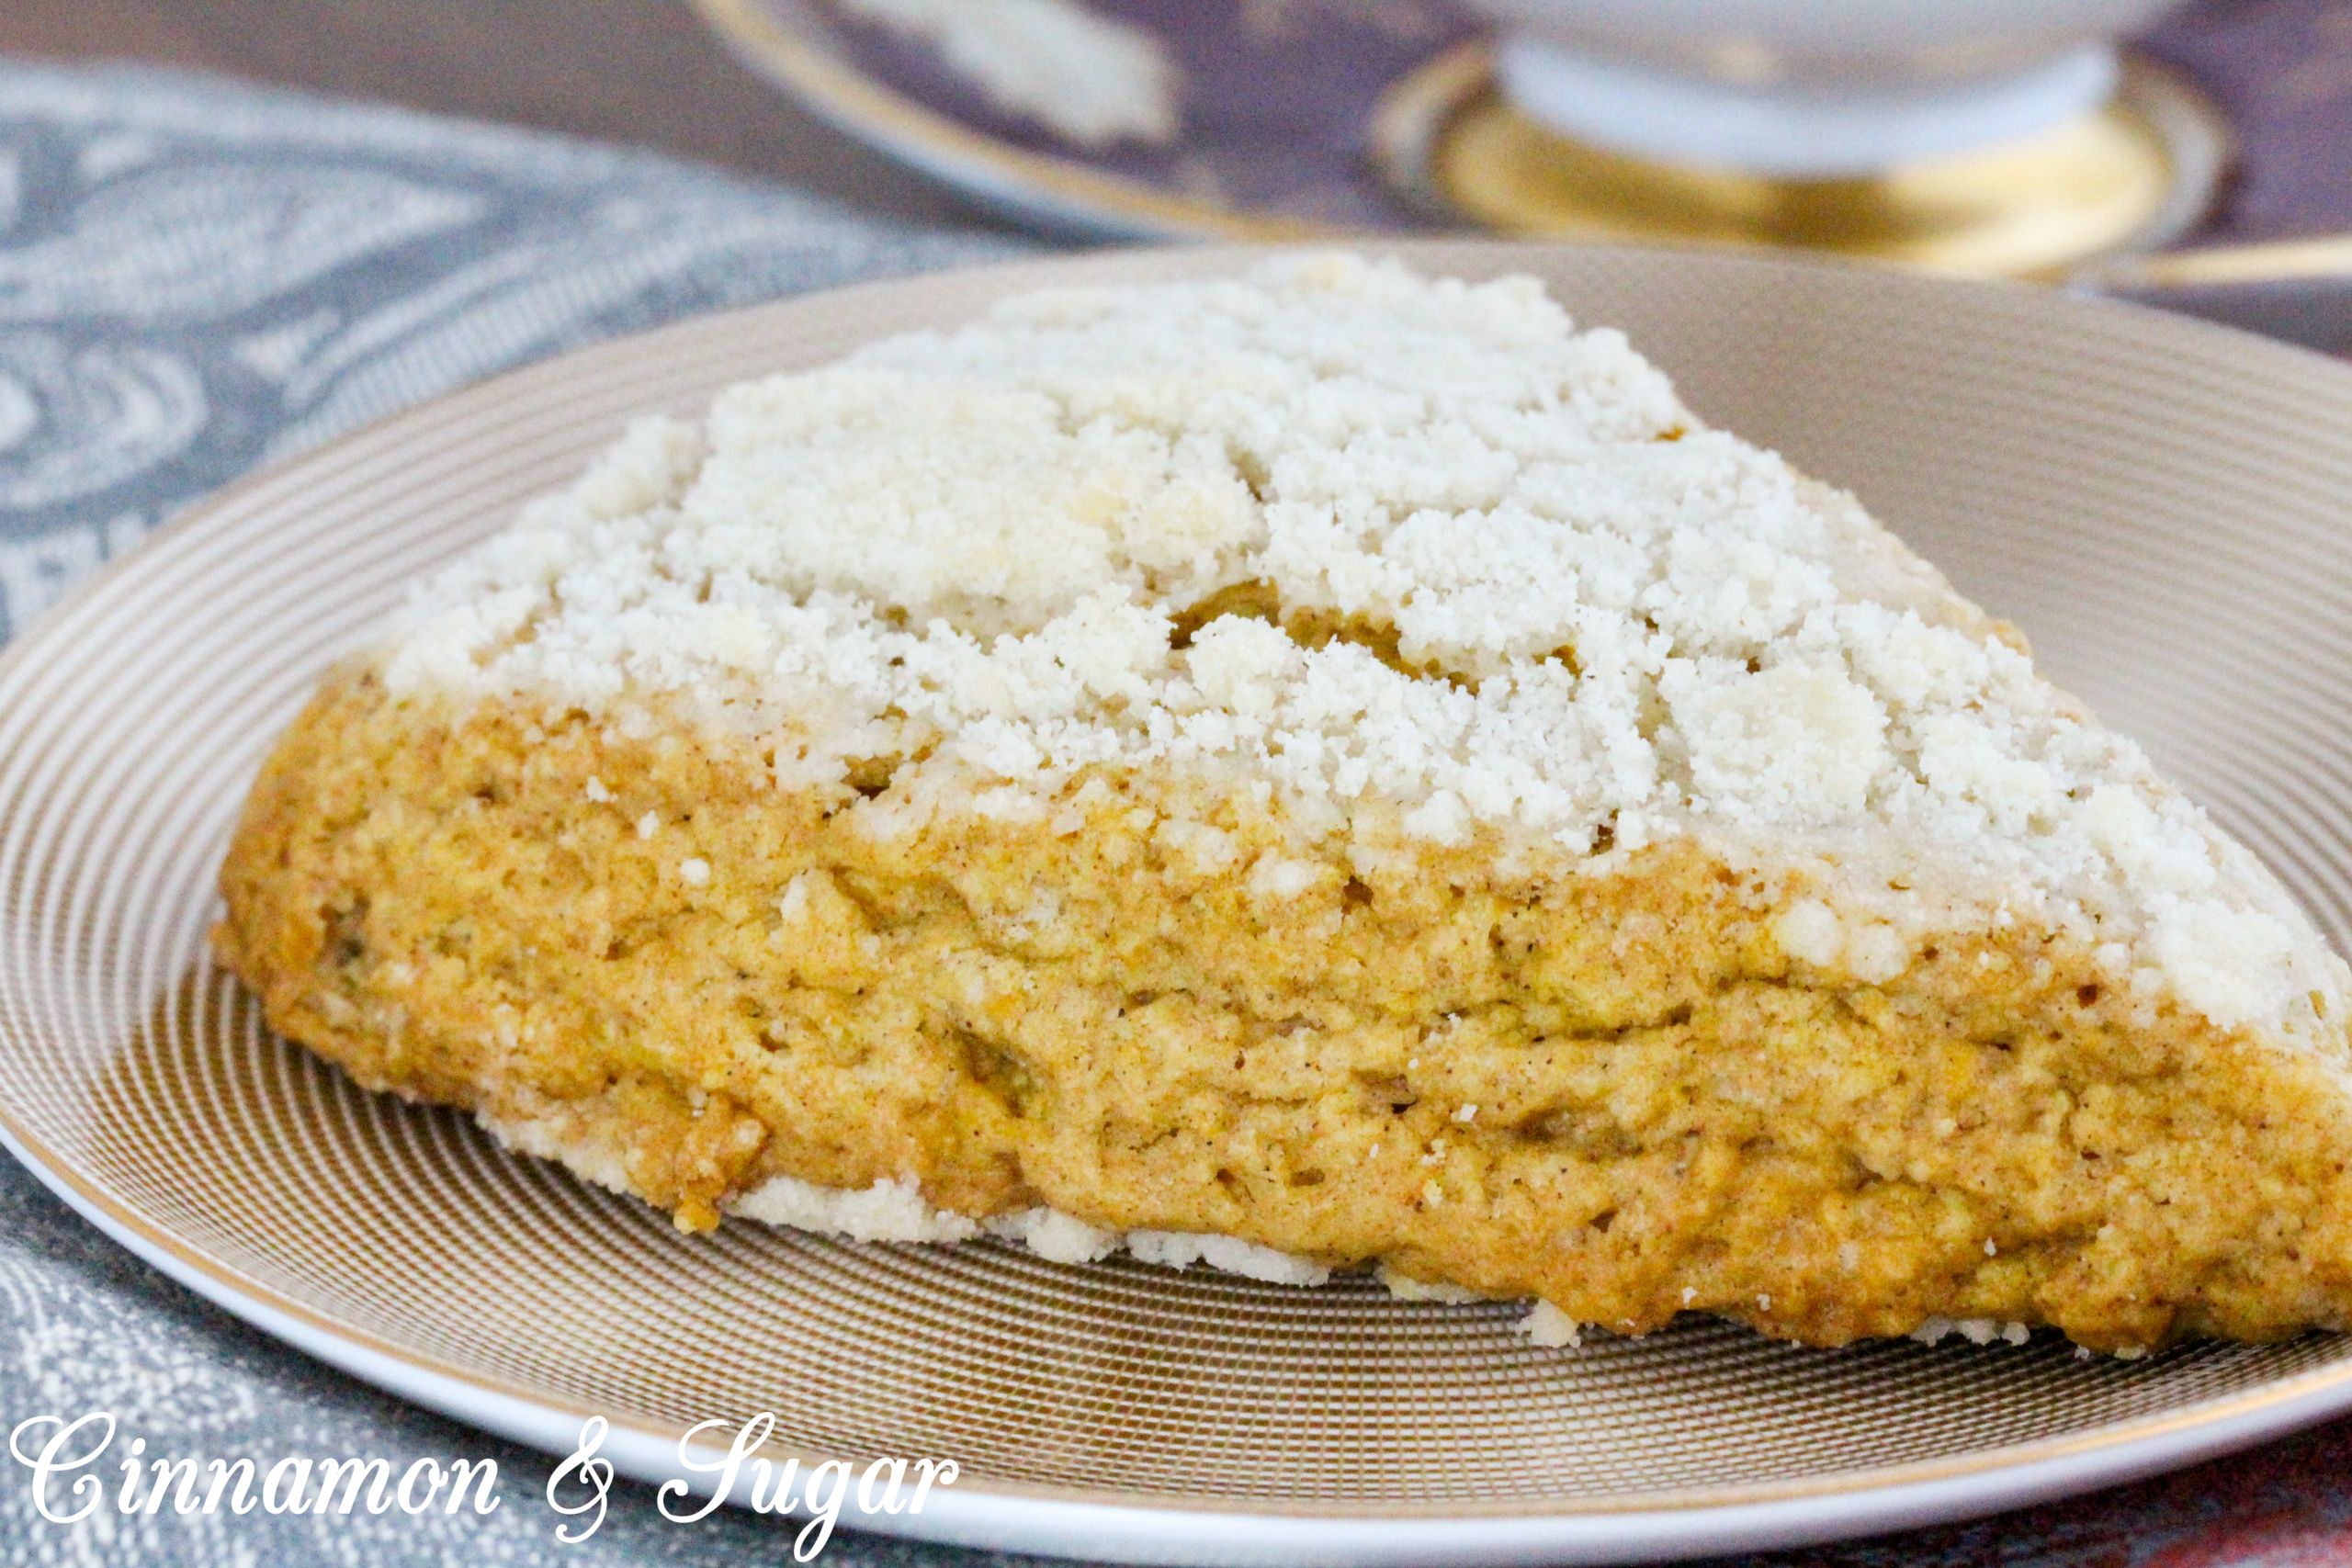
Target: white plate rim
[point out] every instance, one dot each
(1012, 1516)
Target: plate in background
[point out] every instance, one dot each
(2159, 502)
(1278, 103)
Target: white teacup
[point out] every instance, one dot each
(1810, 88)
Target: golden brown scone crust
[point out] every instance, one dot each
(1613, 1092)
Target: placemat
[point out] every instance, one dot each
(196, 277)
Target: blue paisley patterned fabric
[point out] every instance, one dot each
(198, 278)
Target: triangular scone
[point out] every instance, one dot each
(1328, 768)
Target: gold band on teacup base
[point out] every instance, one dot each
(2132, 176)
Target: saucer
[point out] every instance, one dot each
(1304, 118)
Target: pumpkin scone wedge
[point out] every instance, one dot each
(1331, 769)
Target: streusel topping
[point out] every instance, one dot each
(1403, 550)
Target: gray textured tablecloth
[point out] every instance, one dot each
(196, 277)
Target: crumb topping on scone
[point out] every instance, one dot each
(1393, 552)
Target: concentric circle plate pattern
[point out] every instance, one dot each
(2162, 505)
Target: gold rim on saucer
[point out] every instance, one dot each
(2131, 176)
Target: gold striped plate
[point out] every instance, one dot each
(2160, 503)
